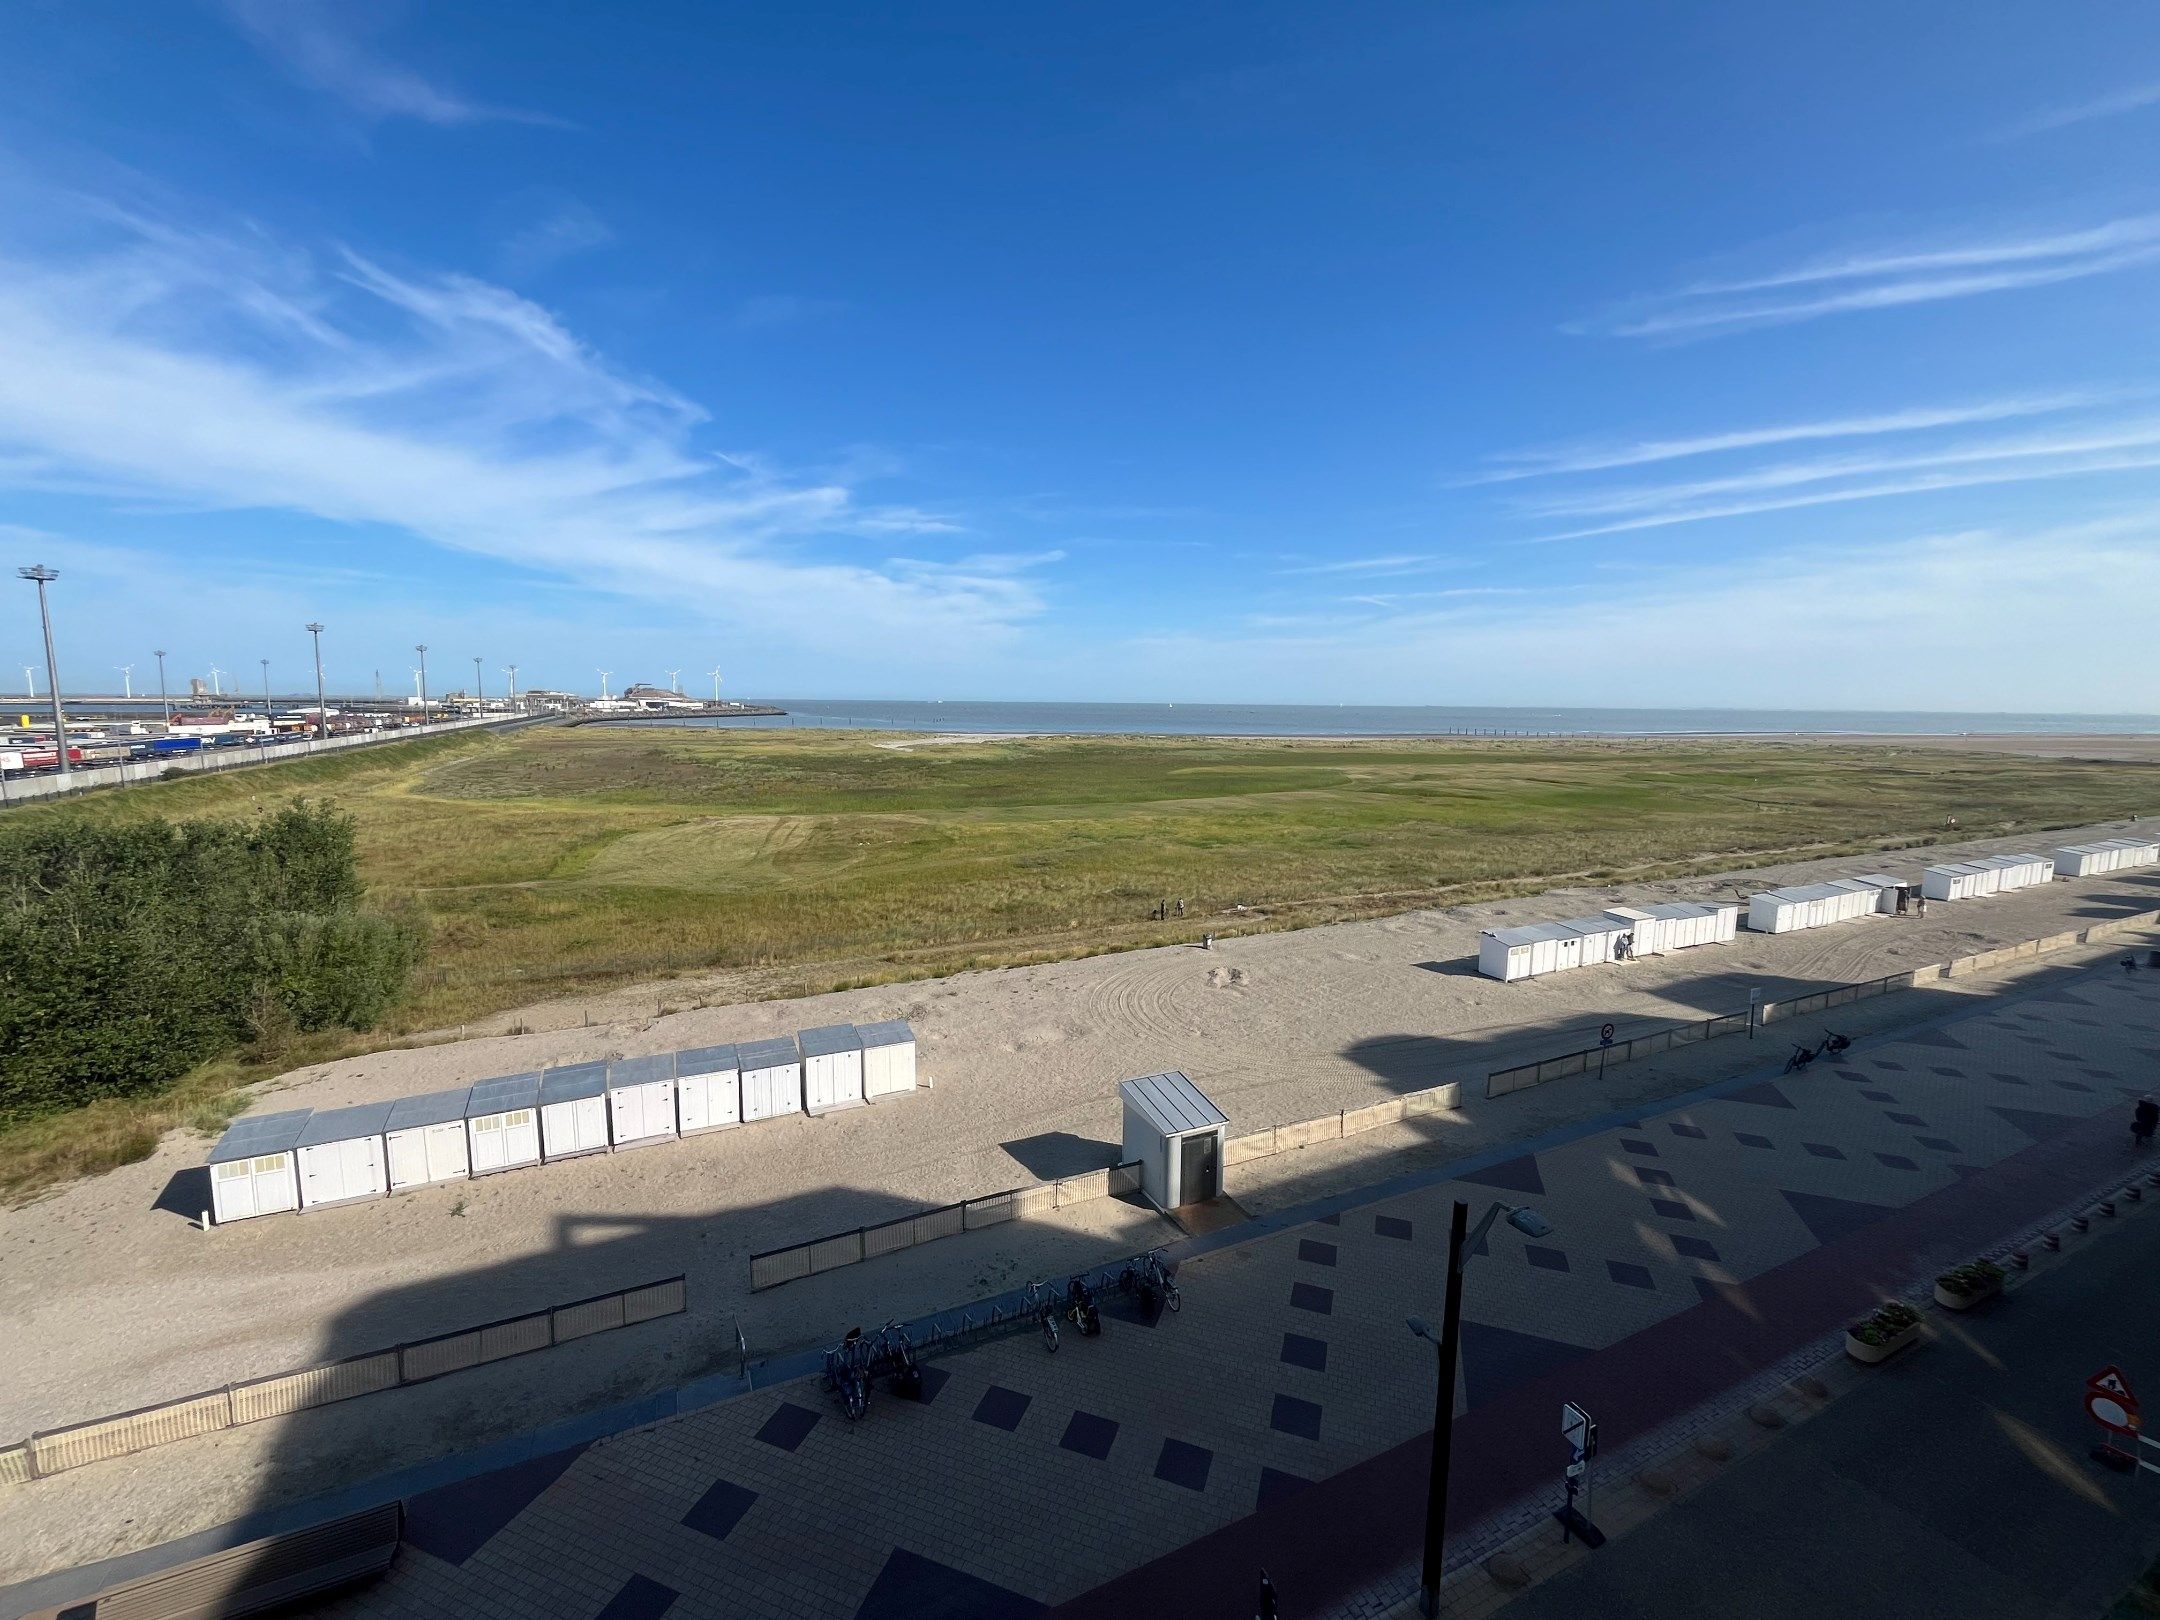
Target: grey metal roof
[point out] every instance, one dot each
(773, 1054)
(641, 1071)
(1591, 925)
(707, 1060)
(570, 1082)
(500, 1096)
(888, 1032)
(344, 1124)
(435, 1108)
(260, 1133)
(828, 1039)
(1953, 866)
(1171, 1103)
(1877, 880)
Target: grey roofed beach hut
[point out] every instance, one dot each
(1177, 1136)
(641, 1099)
(341, 1155)
(503, 1119)
(251, 1167)
(708, 1089)
(831, 1068)
(425, 1139)
(771, 1078)
(573, 1110)
(888, 1059)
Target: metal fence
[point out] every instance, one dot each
(1523, 1076)
(54, 1451)
(837, 1249)
(1345, 1122)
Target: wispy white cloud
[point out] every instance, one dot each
(565, 230)
(1379, 567)
(2114, 105)
(1887, 278)
(320, 43)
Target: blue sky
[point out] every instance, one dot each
(1479, 353)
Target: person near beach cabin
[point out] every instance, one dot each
(2143, 1120)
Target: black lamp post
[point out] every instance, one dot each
(1462, 1243)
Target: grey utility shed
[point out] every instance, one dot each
(573, 1110)
(641, 1099)
(341, 1155)
(888, 1058)
(831, 1067)
(708, 1089)
(1177, 1136)
(503, 1119)
(425, 1139)
(771, 1078)
(251, 1167)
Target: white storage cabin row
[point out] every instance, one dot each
(270, 1163)
(2110, 855)
(1817, 905)
(1624, 931)
(1984, 875)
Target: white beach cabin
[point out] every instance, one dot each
(832, 1068)
(708, 1089)
(425, 1139)
(1958, 880)
(771, 1078)
(641, 1099)
(1177, 1136)
(573, 1111)
(502, 1117)
(341, 1155)
(251, 1167)
(888, 1059)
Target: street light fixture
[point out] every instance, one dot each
(1462, 1243)
(269, 718)
(43, 577)
(479, 688)
(322, 712)
(421, 675)
(164, 702)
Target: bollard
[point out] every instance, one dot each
(2052, 1241)
(2081, 1223)
(2020, 1260)
(2107, 1208)
(2134, 1193)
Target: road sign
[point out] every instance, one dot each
(1578, 1429)
(2110, 1413)
(2110, 1381)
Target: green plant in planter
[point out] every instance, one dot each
(1975, 1277)
(1886, 1324)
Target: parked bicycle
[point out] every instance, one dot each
(1149, 1278)
(1834, 1043)
(1043, 1304)
(847, 1373)
(895, 1357)
(1080, 1308)
(1801, 1057)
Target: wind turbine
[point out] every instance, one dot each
(415, 674)
(715, 674)
(29, 675)
(127, 679)
(604, 674)
(674, 680)
(511, 671)
(215, 689)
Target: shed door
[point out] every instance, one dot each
(592, 1122)
(273, 1183)
(487, 1143)
(408, 1158)
(628, 1108)
(446, 1159)
(692, 1101)
(1199, 1168)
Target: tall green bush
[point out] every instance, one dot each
(131, 953)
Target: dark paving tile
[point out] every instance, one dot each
(720, 1509)
(1515, 1175)
(1765, 1095)
(1496, 1360)
(1629, 1274)
(1693, 1132)
(1646, 1150)
(1546, 1259)
(1672, 1211)
(1293, 1416)
(1183, 1464)
(452, 1522)
(1832, 1218)
(1897, 1161)
(1312, 1297)
(912, 1587)
(1939, 1144)
(1300, 1351)
(1749, 1139)
(1002, 1408)
(1391, 1226)
(934, 1380)
(639, 1599)
(1316, 1252)
(1885, 1063)
(2067, 1085)
(1655, 1178)
(1329, 1220)
(1694, 1248)
(1933, 1037)
(1089, 1435)
(2038, 1126)
(1823, 1150)
(789, 1426)
(1905, 1119)
(1277, 1486)
(1947, 1074)
(1878, 1096)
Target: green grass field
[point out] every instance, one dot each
(563, 858)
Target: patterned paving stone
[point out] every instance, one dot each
(1905, 1119)
(1748, 1139)
(1645, 1150)
(1002, 1408)
(1885, 1063)
(1938, 1143)
(2038, 1126)
(1277, 1486)
(1184, 1464)
(1391, 1226)
(719, 1510)
(1301, 1351)
(1629, 1274)
(1897, 1161)
(1089, 1435)
(640, 1598)
(1694, 1132)
(912, 1587)
(1295, 1417)
(1823, 1150)
(1694, 1248)
(934, 1380)
(1878, 1096)
(1655, 1178)
(455, 1521)
(1546, 1259)
(1831, 1218)
(1949, 1074)
(1315, 1252)
(1670, 1210)
(1329, 1220)
(1312, 1297)
(2067, 1085)
(1514, 1175)
(1496, 1359)
(1765, 1095)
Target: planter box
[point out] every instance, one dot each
(1964, 1302)
(1870, 1355)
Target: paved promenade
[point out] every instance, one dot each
(1281, 1418)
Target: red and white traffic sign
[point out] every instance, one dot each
(2109, 1401)
(2110, 1381)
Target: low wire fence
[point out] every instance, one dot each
(1525, 1075)
(54, 1451)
